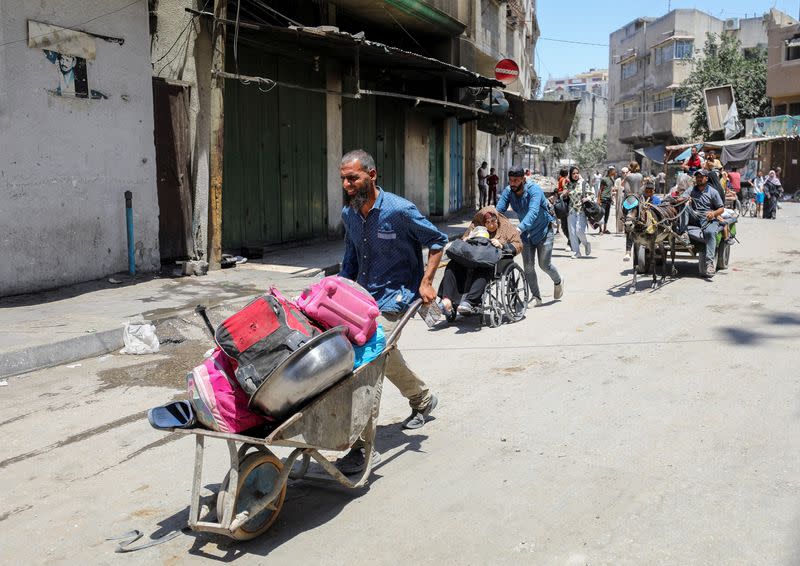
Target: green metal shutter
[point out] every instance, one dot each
(275, 151)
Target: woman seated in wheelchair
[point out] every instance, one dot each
(463, 284)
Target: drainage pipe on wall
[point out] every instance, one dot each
(129, 221)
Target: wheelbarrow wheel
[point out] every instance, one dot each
(258, 473)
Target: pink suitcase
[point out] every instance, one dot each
(336, 301)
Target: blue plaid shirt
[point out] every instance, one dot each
(383, 252)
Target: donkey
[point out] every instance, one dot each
(648, 226)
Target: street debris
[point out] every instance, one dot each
(73, 366)
(103, 358)
(114, 281)
(140, 339)
(3, 383)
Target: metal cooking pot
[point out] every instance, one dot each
(308, 371)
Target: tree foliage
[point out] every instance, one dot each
(589, 155)
(724, 62)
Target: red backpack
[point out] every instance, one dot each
(261, 336)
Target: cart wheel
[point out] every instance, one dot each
(643, 259)
(258, 473)
(723, 255)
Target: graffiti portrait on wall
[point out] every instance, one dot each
(70, 73)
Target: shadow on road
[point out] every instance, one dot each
(307, 506)
(745, 337)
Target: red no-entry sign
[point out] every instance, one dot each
(506, 71)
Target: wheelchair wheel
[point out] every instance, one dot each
(516, 293)
(492, 305)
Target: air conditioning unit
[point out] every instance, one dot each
(731, 24)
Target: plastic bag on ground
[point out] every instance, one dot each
(140, 339)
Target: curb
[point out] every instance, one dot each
(57, 353)
(108, 341)
(105, 341)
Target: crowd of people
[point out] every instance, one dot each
(385, 235)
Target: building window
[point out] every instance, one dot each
(668, 101)
(662, 102)
(794, 109)
(583, 139)
(679, 49)
(793, 49)
(684, 49)
(629, 69)
(628, 111)
(779, 110)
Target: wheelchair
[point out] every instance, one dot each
(506, 296)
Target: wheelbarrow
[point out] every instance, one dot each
(252, 493)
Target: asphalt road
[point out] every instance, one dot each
(607, 428)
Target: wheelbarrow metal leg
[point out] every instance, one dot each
(197, 481)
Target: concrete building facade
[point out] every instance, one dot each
(783, 89)
(648, 60)
(77, 128)
(783, 74)
(591, 88)
(593, 81)
(501, 30)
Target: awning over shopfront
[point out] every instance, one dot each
(654, 153)
(730, 151)
(422, 80)
(537, 117)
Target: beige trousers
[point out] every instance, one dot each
(398, 372)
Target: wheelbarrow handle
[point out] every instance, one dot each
(201, 310)
(395, 335)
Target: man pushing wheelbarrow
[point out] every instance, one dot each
(384, 237)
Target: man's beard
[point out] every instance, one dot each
(357, 200)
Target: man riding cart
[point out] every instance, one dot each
(703, 227)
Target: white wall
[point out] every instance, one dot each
(333, 115)
(66, 162)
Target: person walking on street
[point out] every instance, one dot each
(482, 186)
(492, 181)
(384, 237)
(632, 184)
(536, 228)
(735, 183)
(559, 194)
(758, 186)
(661, 181)
(772, 192)
(619, 196)
(605, 196)
(579, 191)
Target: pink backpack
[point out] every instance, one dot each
(336, 301)
(218, 400)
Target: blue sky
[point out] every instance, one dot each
(592, 21)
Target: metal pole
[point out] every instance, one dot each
(217, 122)
(129, 222)
(591, 132)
